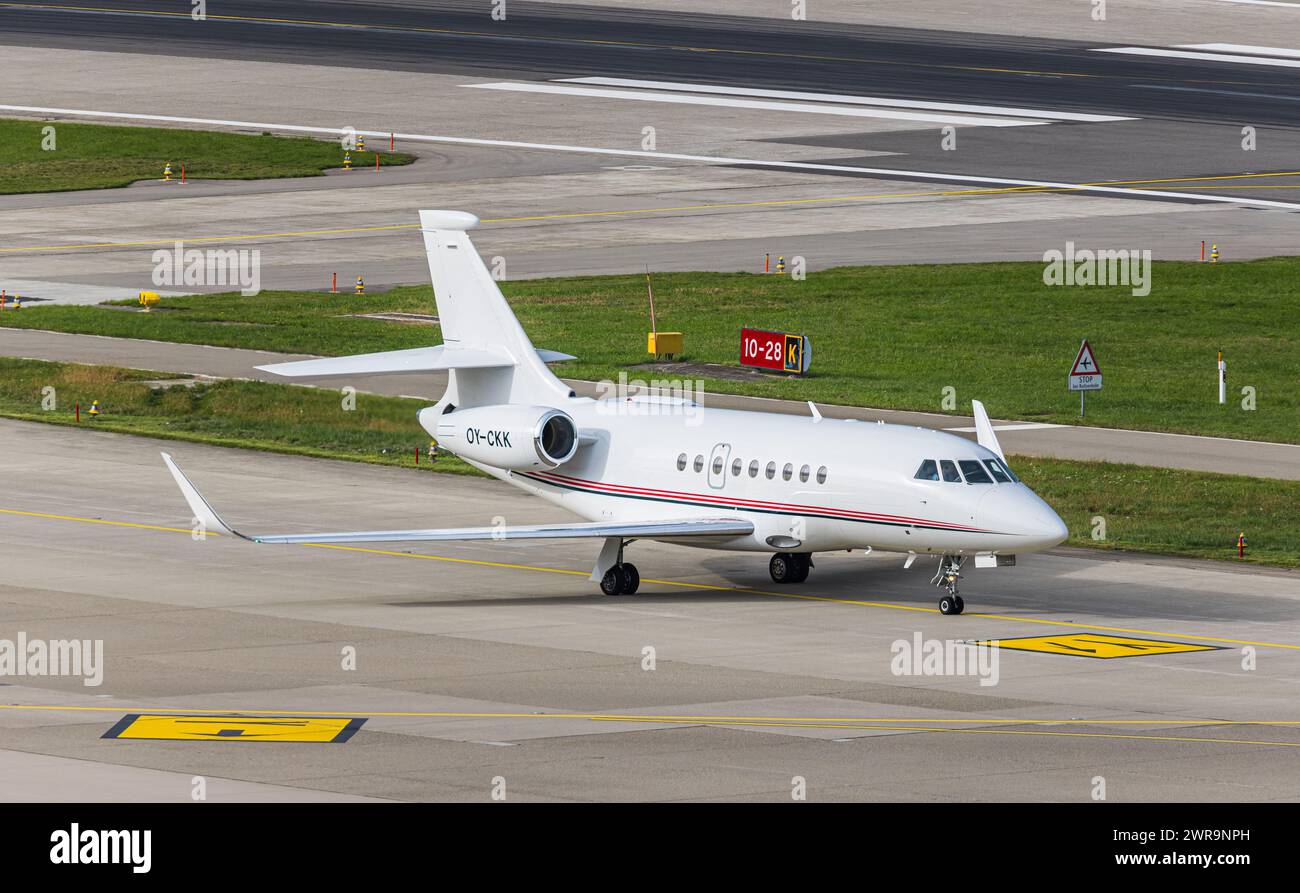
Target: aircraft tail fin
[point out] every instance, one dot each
(474, 315)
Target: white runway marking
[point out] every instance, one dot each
(1216, 92)
(1295, 6)
(1203, 57)
(676, 156)
(851, 100)
(761, 105)
(1242, 48)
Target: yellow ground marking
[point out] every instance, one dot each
(710, 206)
(681, 584)
(1107, 735)
(209, 726)
(206, 727)
(574, 215)
(415, 29)
(1095, 645)
(51, 517)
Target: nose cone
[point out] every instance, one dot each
(1029, 523)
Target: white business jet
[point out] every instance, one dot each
(666, 469)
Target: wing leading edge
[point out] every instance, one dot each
(686, 527)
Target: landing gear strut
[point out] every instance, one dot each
(947, 576)
(622, 578)
(790, 567)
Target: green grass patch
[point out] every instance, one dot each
(1169, 510)
(1145, 509)
(891, 337)
(255, 415)
(98, 156)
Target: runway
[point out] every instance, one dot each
(486, 665)
(857, 170)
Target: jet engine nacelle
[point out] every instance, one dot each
(511, 436)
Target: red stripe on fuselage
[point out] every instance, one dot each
(624, 489)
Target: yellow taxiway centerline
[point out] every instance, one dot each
(680, 584)
(711, 206)
(848, 724)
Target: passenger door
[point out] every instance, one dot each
(717, 467)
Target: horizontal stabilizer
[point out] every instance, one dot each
(685, 527)
(418, 359)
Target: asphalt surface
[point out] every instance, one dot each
(553, 40)
(1215, 454)
(1191, 111)
(478, 662)
(466, 656)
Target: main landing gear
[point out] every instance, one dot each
(947, 576)
(790, 567)
(622, 578)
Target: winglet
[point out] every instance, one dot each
(984, 430)
(198, 505)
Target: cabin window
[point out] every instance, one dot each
(949, 468)
(753, 468)
(1005, 469)
(787, 472)
(770, 471)
(974, 472)
(929, 471)
(681, 462)
(736, 465)
(996, 470)
(699, 463)
(821, 475)
(717, 465)
(804, 473)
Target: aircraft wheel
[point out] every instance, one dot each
(631, 579)
(950, 604)
(613, 581)
(961, 603)
(782, 567)
(802, 564)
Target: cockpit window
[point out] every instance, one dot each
(995, 469)
(974, 471)
(950, 471)
(1005, 469)
(928, 471)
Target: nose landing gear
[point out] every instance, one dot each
(790, 567)
(946, 577)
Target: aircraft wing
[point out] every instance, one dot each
(715, 527)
